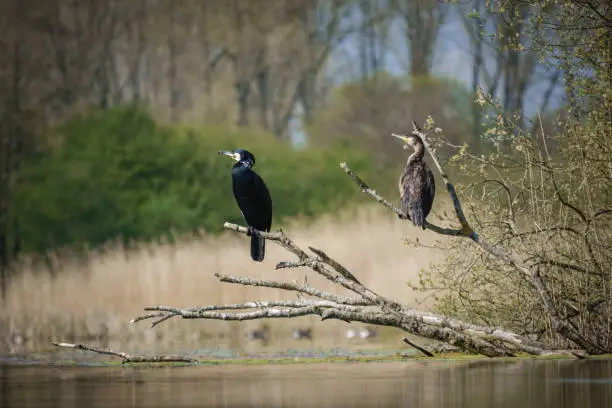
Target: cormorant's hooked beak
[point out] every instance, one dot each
(400, 137)
(408, 143)
(233, 155)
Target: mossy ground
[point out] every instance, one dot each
(73, 359)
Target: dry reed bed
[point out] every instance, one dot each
(95, 299)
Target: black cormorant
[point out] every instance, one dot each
(253, 198)
(416, 184)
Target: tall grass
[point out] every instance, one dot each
(94, 299)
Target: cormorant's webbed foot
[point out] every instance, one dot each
(402, 216)
(252, 232)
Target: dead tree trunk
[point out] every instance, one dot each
(172, 69)
(11, 150)
(362, 304)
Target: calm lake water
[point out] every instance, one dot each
(518, 384)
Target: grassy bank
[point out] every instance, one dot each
(72, 358)
(93, 299)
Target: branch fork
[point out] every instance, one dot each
(359, 304)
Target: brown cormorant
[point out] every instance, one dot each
(416, 183)
(253, 198)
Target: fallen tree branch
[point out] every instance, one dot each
(125, 357)
(367, 307)
(292, 286)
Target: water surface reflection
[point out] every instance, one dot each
(560, 384)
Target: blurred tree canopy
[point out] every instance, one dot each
(221, 63)
(365, 113)
(118, 173)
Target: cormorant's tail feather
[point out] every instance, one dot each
(417, 216)
(258, 248)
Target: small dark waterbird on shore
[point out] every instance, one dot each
(253, 198)
(262, 334)
(299, 334)
(416, 183)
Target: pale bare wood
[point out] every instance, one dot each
(125, 357)
(367, 307)
(416, 346)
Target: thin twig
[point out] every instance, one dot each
(372, 193)
(125, 357)
(286, 264)
(295, 287)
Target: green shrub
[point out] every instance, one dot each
(120, 174)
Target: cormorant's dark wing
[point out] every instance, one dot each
(417, 190)
(428, 191)
(255, 203)
(264, 219)
(253, 198)
(264, 202)
(405, 191)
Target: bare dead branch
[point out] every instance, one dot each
(313, 263)
(295, 287)
(368, 308)
(371, 192)
(125, 357)
(416, 346)
(257, 305)
(511, 219)
(550, 229)
(565, 265)
(565, 202)
(286, 264)
(276, 309)
(339, 268)
(279, 237)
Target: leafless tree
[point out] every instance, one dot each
(422, 20)
(21, 90)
